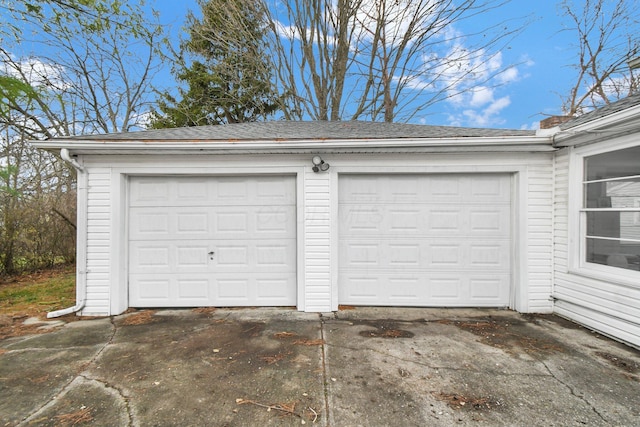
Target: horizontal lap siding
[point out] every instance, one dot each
(316, 225)
(610, 308)
(98, 242)
(540, 236)
(317, 251)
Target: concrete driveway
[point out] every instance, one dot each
(279, 367)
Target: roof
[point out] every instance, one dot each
(619, 118)
(307, 131)
(606, 110)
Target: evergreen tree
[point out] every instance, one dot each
(229, 80)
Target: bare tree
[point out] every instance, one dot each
(607, 35)
(381, 59)
(93, 71)
(66, 67)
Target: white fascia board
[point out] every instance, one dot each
(619, 123)
(533, 143)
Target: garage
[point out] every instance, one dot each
(425, 240)
(212, 241)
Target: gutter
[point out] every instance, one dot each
(612, 125)
(112, 145)
(81, 256)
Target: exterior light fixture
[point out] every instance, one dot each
(319, 164)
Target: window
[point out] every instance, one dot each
(610, 212)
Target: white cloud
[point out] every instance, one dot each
(509, 75)
(35, 72)
(288, 32)
(487, 116)
(399, 17)
(480, 96)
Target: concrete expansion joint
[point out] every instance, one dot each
(63, 391)
(325, 376)
(80, 376)
(573, 393)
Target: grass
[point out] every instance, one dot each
(38, 293)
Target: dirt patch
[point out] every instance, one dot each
(459, 401)
(275, 358)
(284, 335)
(383, 329)
(140, 318)
(79, 417)
(627, 365)
(509, 334)
(285, 409)
(386, 333)
(560, 321)
(13, 326)
(298, 340)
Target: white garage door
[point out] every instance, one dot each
(425, 240)
(212, 241)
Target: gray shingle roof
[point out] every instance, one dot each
(604, 111)
(309, 130)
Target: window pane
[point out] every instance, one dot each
(613, 164)
(610, 252)
(603, 224)
(614, 194)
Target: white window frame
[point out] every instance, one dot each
(577, 215)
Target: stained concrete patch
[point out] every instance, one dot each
(487, 367)
(204, 366)
(280, 367)
(84, 402)
(76, 334)
(30, 378)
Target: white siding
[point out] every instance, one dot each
(317, 242)
(611, 308)
(98, 231)
(540, 237)
(317, 211)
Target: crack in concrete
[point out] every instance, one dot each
(118, 393)
(573, 392)
(70, 384)
(325, 383)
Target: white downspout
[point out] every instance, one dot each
(81, 254)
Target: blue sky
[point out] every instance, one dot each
(542, 51)
(529, 92)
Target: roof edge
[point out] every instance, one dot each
(88, 146)
(598, 128)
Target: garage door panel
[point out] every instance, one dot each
(221, 241)
(212, 191)
(438, 290)
(255, 290)
(424, 218)
(426, 255)
(154, 290)
(225, 290)
(431, 240)
(229, 255)
(201, 223)
(437, 188)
